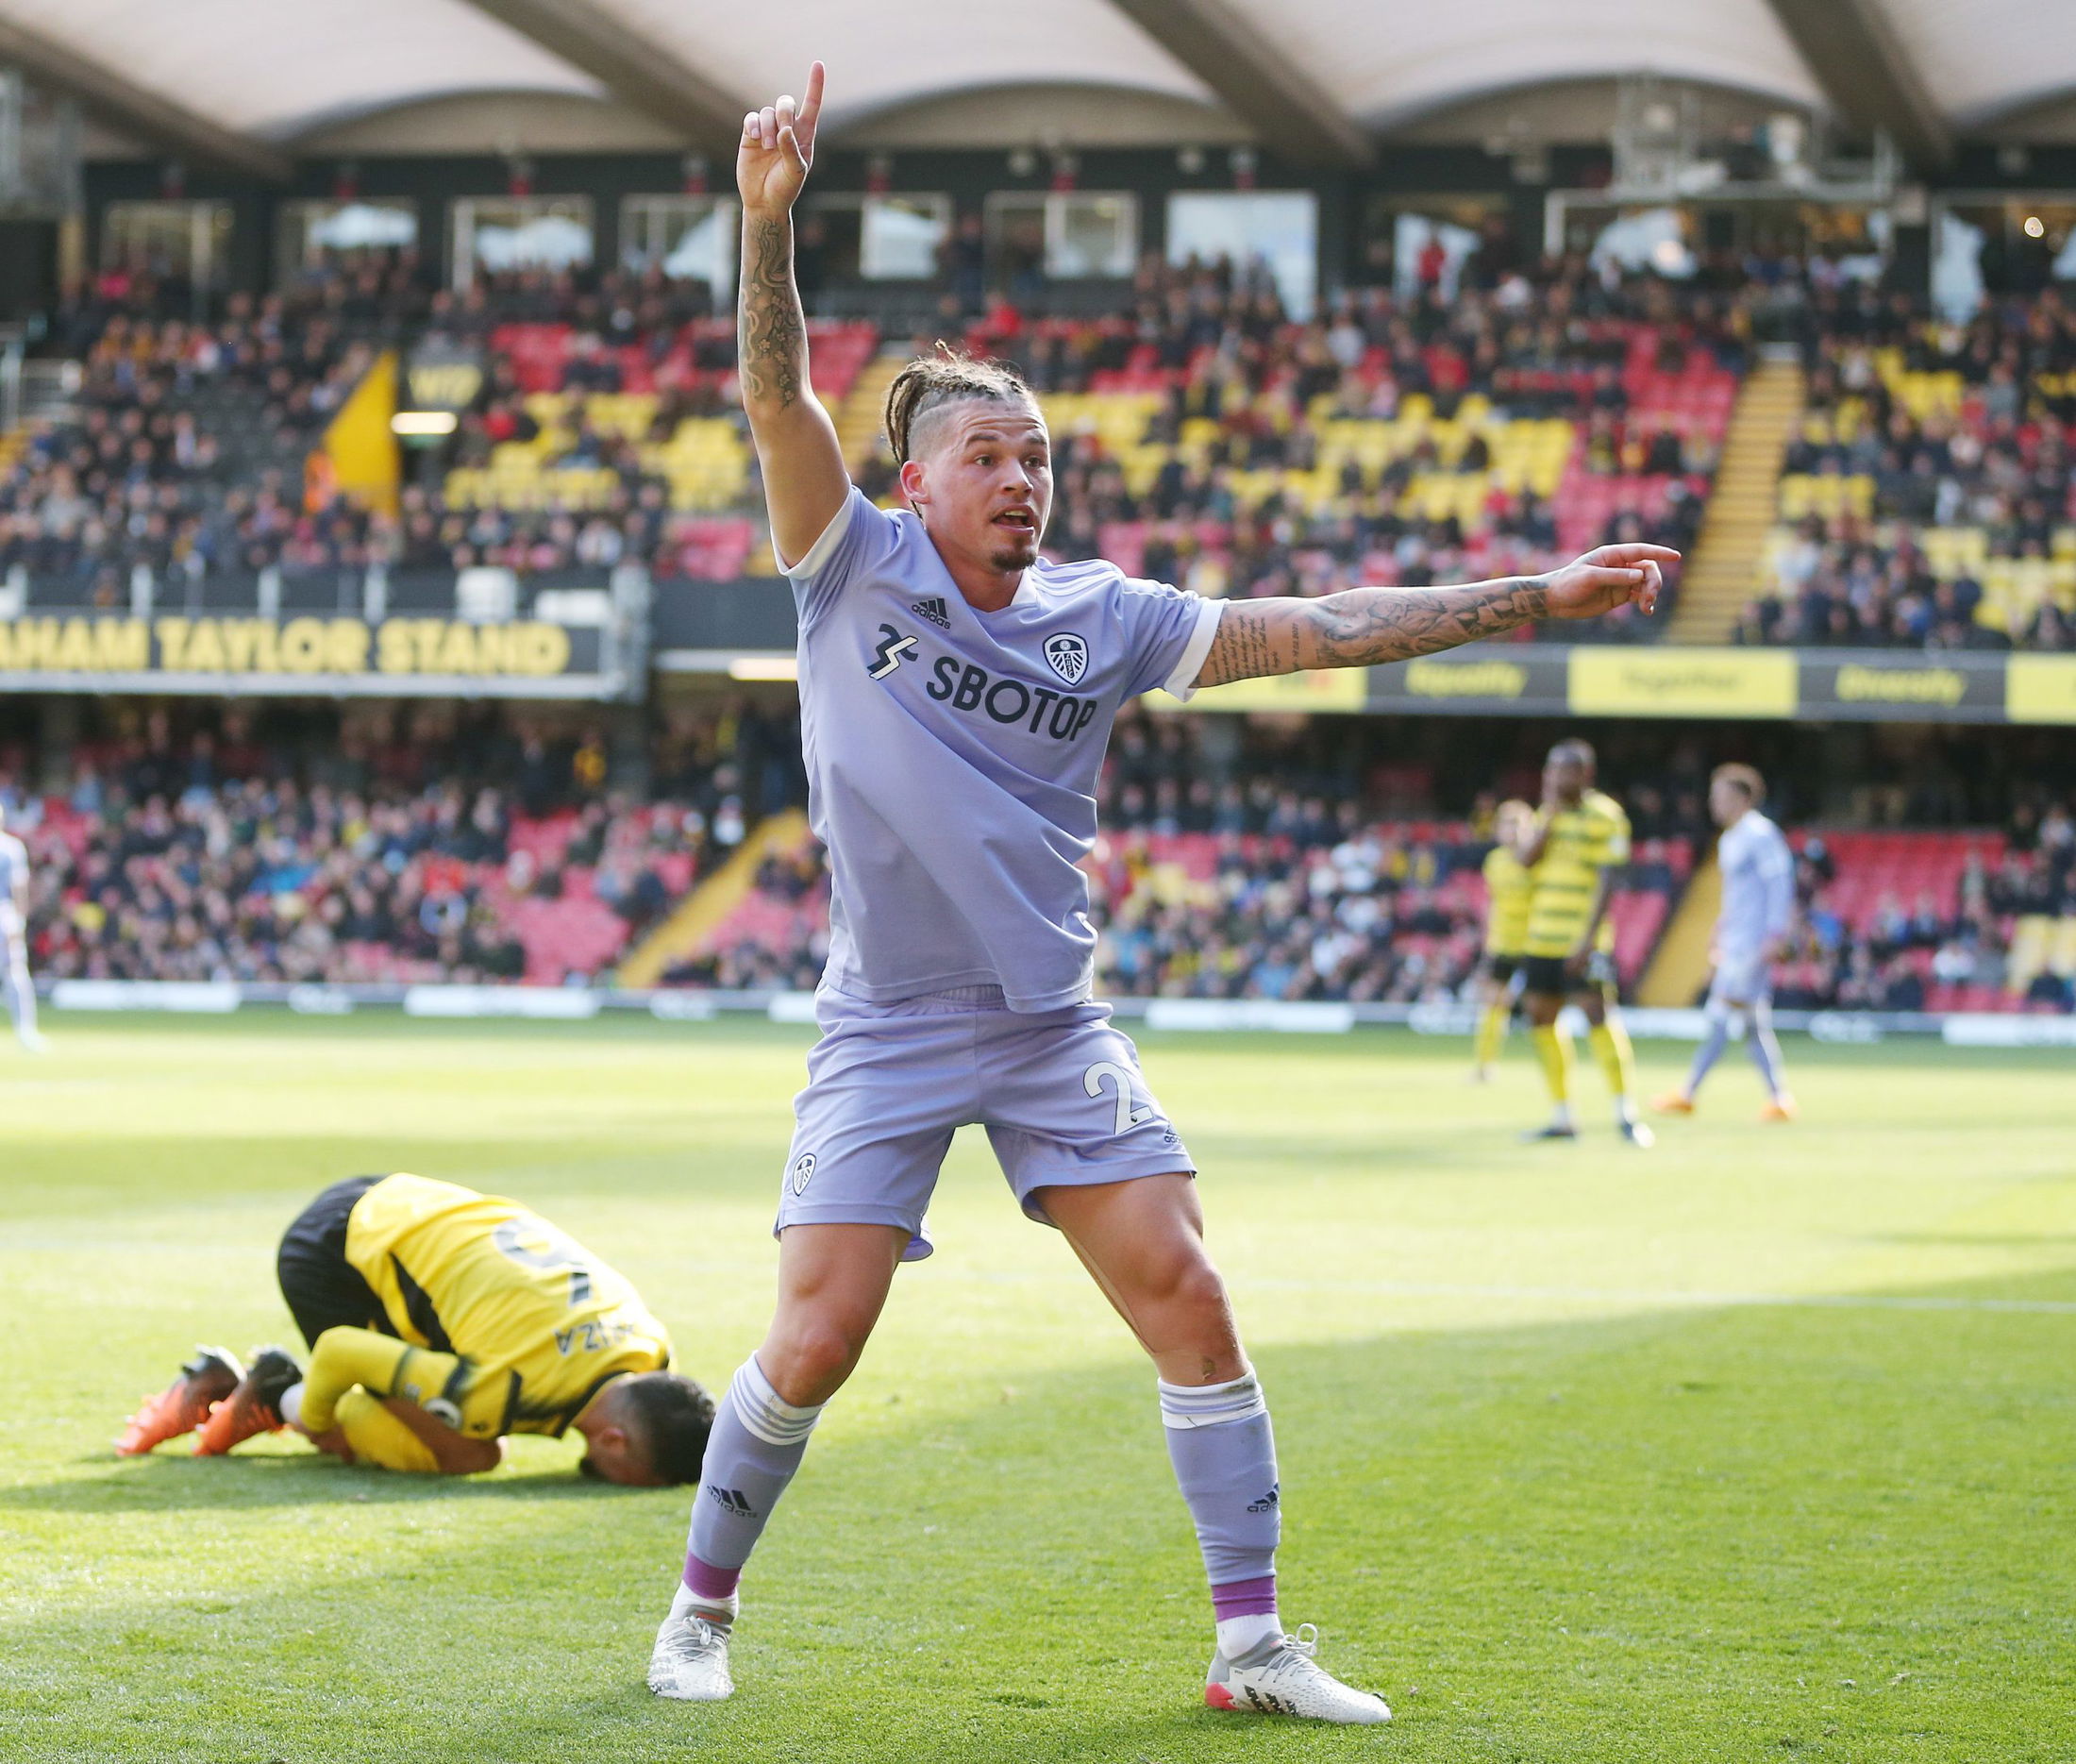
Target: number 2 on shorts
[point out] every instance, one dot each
(1128, 1116)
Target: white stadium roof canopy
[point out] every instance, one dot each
(253, 83)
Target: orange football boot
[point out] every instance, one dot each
(254, 1407)
(1673, 1102)
(1779, 1109)
(183, 1405)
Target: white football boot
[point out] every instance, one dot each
(1281, 1677)
(691, 1660)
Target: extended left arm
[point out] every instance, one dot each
(1364, 627)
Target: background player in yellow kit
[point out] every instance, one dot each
(1576, 845)
(1508, 882)
(440, 1319)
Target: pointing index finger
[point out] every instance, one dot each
(810, 104)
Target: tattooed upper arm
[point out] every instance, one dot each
(1254, 638)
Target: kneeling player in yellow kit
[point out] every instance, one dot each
(439, 1321)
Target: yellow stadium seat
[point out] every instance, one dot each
(1825, 494)
(1954, 550)
(2061, 960)
(2028, 956)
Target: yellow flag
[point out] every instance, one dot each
(358, 457)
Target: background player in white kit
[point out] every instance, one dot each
(957, 693)
(1758, 871)
(15, 982)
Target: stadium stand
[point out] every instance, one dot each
(1205, 438)
(242, 859)
(1201, 437)
(182, 449)
(362, 859)
(1938, 921)
(1927, 501)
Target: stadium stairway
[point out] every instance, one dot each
(1723, 574)
(708, 905)
(1679, 967)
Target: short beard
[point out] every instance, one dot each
(1021, 558)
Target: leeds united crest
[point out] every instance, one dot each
(1069, 655)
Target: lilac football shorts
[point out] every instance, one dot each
(1742, 981)
(1059, 1091)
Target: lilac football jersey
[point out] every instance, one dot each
(1758, 871)
(953, 755)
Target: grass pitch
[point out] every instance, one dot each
(1762, 1445)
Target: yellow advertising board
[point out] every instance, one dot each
(2040, 689)
(1327, 689)
(1609, 681)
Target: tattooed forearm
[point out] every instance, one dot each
(1364, 627)
(771, 335)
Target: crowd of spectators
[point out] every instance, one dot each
(1936, 508)
(183, 452)
(1935, 467)
(185, 448)
(1993, 940)
(216, 855)
(182, 449)
(1337, 907)
(1215, 346)
(1234, 862)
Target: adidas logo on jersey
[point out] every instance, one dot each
(934, 611)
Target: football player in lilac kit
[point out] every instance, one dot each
(956, 695)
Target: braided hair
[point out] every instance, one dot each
(945, 377)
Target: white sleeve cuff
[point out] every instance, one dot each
(1182, 682)
(818, 553)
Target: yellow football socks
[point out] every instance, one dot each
(1617, 1059)
(1553, 1049)
(1492, 1030)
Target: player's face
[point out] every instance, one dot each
(1726, 802)
(983, 485)
(1566, 777)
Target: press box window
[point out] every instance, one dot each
(1061, 235)
(492, 234)
(688, 238)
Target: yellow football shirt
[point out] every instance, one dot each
(1508, 886)
(503, 1323)
(1583, 844)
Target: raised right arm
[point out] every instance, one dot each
(805, 479)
